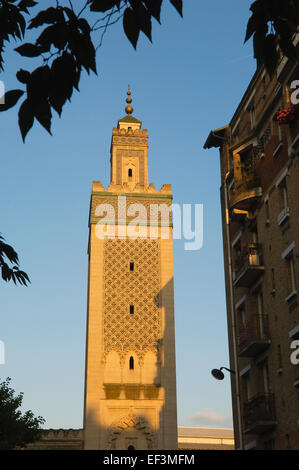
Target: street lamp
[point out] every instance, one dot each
(218, 374)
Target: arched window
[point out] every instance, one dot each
(130, 173)
(131, 309)
(131, 363)
(131, 447)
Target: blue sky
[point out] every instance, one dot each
(186, 83)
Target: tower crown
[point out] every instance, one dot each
(129, 122)
(129, 108)
(129, 151)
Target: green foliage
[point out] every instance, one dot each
(272, 25)
(16, 429)
(66, 47)
(66, 44)
(12, 22)
(8, 254)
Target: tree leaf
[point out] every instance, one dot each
(39, 84)
(10, 99)
(63, 79)
(154, 7)
(71, 15)
(5, 272)
(9, 252)
(144, 20)
(28, 50)
(251, 27)
(270, 54)
(103, 5)
(26, 118)
(48, 16)
(83, 49)
(24, 4)
(131, 27)
(49, 36)
(23, 76)
(42, 112)
(178, 5)
(84, 26)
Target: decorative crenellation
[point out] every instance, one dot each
(114, 188)
(138, 332)
(62, 434)
(127, 132)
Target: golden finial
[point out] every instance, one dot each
(129, 109)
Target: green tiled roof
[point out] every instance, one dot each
(129, 118)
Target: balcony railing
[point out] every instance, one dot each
(247, 190)
(248, 266)
(259, 414)
(254, 338)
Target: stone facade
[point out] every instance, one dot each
(260, 210)
(130, 384)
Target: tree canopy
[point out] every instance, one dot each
(272, 25)
(66, 44)
(16, 429)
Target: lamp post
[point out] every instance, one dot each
(218, 374)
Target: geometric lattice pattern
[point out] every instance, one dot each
(141, 330)
(122, 205)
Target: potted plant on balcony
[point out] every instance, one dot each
(286, 115)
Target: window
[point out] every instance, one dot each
(288, 256)
(246, 161)
(276, 129)
(131, 309)
(283, 194)
(291, 273)
(260, 302)
(265, 369)
(283, 200)
(131, 363)
(247, 387)
(251, 110)
(241, 315)
(130, 173)
(131, 266)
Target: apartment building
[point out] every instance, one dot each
(259, 160)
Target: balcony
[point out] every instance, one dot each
(254, 338)
(249, 266)
(259, 414)
(247, 191)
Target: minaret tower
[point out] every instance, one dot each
(130, 380)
